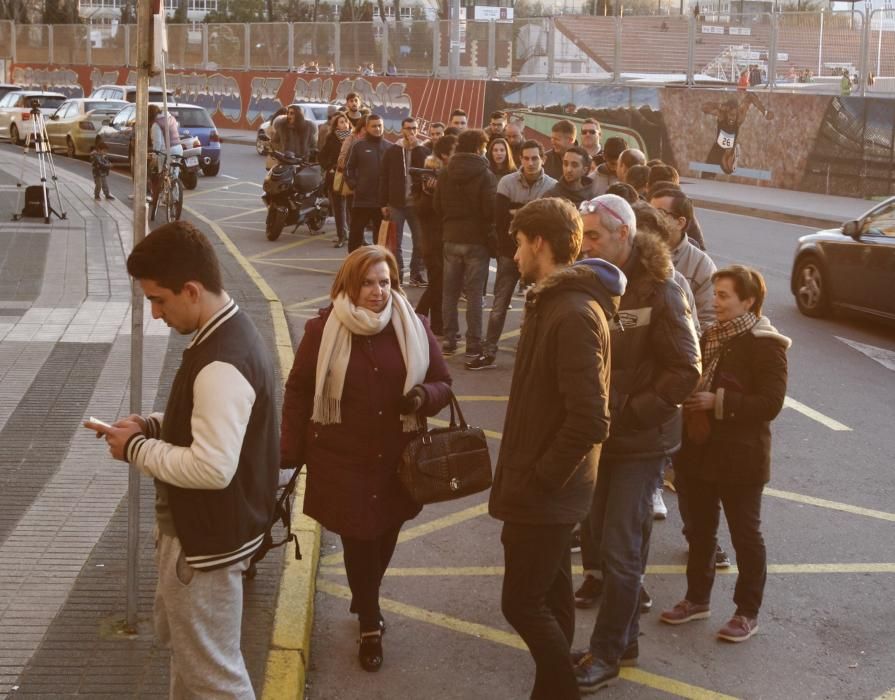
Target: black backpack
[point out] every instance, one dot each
(34, 201)
(282, 513)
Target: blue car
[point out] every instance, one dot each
(195, 121)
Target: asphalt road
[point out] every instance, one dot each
(829, 522)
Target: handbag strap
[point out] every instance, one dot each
(455, 405)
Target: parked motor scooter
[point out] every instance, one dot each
(294, 192)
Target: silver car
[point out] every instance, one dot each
(15, 111)
(73, 127)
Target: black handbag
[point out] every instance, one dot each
(446, 463)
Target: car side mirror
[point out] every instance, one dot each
(54, 117)
(851, 229)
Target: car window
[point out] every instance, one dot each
(9, 99)
(106, 105)
(48, 101)
(317, 113)
(65, 109)
(880, 223)
(123, 117)
(192, 118)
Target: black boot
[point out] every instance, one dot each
(369, 653)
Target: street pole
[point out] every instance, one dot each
(455, 39)
(820, 45)
(144, 65)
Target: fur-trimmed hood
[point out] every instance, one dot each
(602, 280)
(654, 254)
(764, 329)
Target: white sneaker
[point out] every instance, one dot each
(660, 511)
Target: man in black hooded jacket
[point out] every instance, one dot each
(557, 417)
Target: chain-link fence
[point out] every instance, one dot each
(808, 51)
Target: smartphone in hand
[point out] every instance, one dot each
(96, 424)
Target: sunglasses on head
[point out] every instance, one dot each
(594, 205)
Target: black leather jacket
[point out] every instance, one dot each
(656, 361)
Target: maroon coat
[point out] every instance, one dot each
(352, 487)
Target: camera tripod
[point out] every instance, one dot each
(45, 166)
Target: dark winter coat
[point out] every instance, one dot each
(553, 164)
(352, 487)
(430, 222)
(750, 387)
(558, 412)
(464, 199)
(582, 191)
(300, 140)
(656, 358)
(329, 153)
(363, 169)
(394, 175)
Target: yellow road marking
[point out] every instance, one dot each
(230, 186)
(245, 213)
(889, 695)
(776, 493)
(831, 423)
(832, 505)
(412, 533)
(508, 639)
(300, 268)
(281, 248)
(307, 302)
(655, 569)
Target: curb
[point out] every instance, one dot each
(770, 215)
(288, 656)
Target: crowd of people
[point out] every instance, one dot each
(636, 355)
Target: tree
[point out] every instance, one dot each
(128, 13)
(243, 11)
(180, 16)
(60, 12)
(16, 10)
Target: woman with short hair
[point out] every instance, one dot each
(367, 372)
(726, 454)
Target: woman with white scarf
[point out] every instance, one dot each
(367, 372)
(725, 460)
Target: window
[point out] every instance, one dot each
(10, 99)
(47, 101)
(195, 118)
(881, 223)
(123, 117)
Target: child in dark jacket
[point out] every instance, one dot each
(101, 167)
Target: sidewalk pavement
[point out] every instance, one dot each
(790, 206)
(65, 355)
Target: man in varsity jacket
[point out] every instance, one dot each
(214, 455)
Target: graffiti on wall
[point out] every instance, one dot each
(63, 80)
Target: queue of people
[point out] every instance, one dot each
(635, 354)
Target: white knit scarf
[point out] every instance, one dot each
(347, 320)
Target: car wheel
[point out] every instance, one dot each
(812, 295)
(260, 146)
(14, 134)
(190, 179)
(212, 169)
(70, 149)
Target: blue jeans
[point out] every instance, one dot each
(409, 214)
(504, 285)
(465, 269)
(621, 516)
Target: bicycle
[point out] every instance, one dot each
(170, 189)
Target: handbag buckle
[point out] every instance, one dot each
(454, 484)
(427, 439)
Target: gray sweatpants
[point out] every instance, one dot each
(199, 614)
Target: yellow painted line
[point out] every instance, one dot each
(245, 213)
(307, 302)
(284, 675)
(832, 505)
(230, 186)
(300, 268)
(831, 423)
(281, 248)
(509, 639)
(889, 695)
(656, 570)
(412, 533)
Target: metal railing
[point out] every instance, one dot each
(804, 51)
